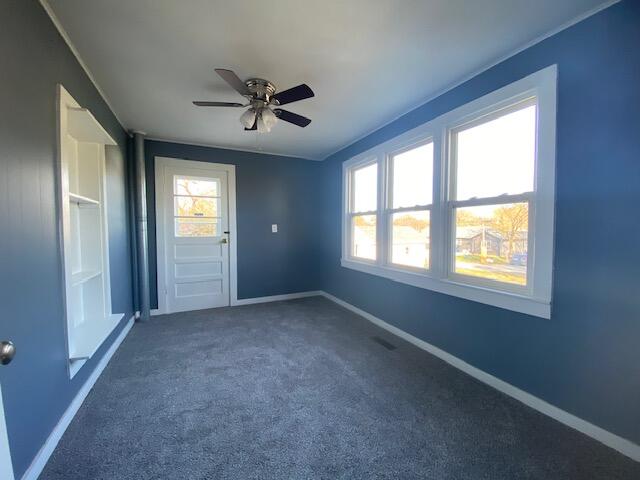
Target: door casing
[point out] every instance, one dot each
(6, 468)
(160, 164)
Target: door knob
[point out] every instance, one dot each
(224, 240)
(7, 352)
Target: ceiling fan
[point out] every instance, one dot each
(264, 100)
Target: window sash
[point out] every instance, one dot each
(389, 238)
(352, 191)
(389, 160)
(480, 119)
(350, 239)
(452, 206)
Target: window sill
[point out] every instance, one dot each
(509, 301)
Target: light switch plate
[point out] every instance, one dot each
(274, 228)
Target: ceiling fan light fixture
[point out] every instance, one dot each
(263, 127)
(248, 118)
(268, 117)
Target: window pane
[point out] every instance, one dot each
(365, 188)
(410, 239)
(413, 177)
(197, 227)
(363, 236)
(196, 207)
(497, 157)
(187, 186)
(491, 242)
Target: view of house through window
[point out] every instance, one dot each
(196, 205)
(491, 242)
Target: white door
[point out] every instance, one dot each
(6, 470)
(195, 213)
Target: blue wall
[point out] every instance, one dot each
(586, 359)
(36, 387)
(269, 189)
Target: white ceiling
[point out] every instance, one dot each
(368, 61)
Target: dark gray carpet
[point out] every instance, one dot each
(300, 390)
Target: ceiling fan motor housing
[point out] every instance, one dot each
(261, 89)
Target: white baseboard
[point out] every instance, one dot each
(41, 459)
(276, 298)
(622, 445)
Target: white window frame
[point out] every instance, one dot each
(535, 298)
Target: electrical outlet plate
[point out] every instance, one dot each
(274, 228)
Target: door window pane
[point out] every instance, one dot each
(413, 177)
(491, 242)
(363, 236)
(410, 239)
(203, 188)
(496, 157)
(196, 206)
(197, 227)
(365, 188)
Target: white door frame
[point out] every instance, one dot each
(160, 164)
(6, 466)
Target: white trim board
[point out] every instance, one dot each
(622, 445)
(42, 457)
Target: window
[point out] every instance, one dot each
(196, 207)
(463, 205)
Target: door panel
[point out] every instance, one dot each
(196, 222)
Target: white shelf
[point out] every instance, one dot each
(81, 200)
(87, 338)
(81, 277)
(82, 126)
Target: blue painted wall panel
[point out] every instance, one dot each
(36, 387)
(586, 359)
(269, 189)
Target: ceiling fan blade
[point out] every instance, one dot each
(217, 104)
(293, 94)
(291, 117)
(232, 79)
(255, 126)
